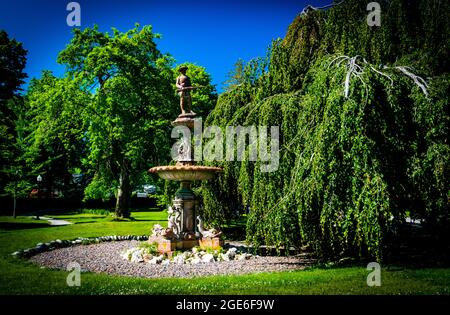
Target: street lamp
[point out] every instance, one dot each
(39, 180)
(15, 193)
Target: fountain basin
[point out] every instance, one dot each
(183, 173)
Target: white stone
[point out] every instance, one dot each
(231, 253)
(187, 255)
(155, 260)
(208, 258)
(240, 257)
(196, 261)
(124, 255)
(137, 257)
(179, 259)
(223, 257)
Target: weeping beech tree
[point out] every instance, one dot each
(364, 124)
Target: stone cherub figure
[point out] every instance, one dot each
(174, 220)
(184, 88)
(211, 233)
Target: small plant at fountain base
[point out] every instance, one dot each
(148, 254)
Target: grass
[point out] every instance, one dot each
(96, 216)
(9, 223)
(19, 276)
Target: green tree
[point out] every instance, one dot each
(235, 77)
(52, 131)
(363, 137)
(128, 121)
(12, 64)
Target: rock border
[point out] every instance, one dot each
(191, 256)
(45, 247)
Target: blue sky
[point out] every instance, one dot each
(213, 34)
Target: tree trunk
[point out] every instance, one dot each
(123, 194)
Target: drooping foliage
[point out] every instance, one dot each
(364, 122)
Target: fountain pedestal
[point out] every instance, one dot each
(185, 200)
(181, 232)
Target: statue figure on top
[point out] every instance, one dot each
(184, 88)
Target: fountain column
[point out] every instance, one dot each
(180, 233)
(185, 199)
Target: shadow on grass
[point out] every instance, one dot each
(151, 209)
(116, 220)
(22, 226)
(79, 218)
(235, 230)
(83, 222)
(146, 220)
(234, 233)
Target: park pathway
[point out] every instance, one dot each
(54, 221)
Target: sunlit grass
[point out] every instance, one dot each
(19, 276)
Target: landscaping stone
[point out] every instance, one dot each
(107, 257)
(148, 257)
(196, 261)
(156, 260)
(225, 257)
(179, 259)
(231, 253)
(208, 258)
(137, 257)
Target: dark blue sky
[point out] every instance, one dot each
(213, 34)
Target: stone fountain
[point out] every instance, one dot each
(182, 231)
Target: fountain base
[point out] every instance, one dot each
(213, 243)
(166, 246)
(181, 232)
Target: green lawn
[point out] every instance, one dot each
(9, 223)
(19, 276)
(150, 217)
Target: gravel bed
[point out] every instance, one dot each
(105, 258)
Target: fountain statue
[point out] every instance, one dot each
(181, 230)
